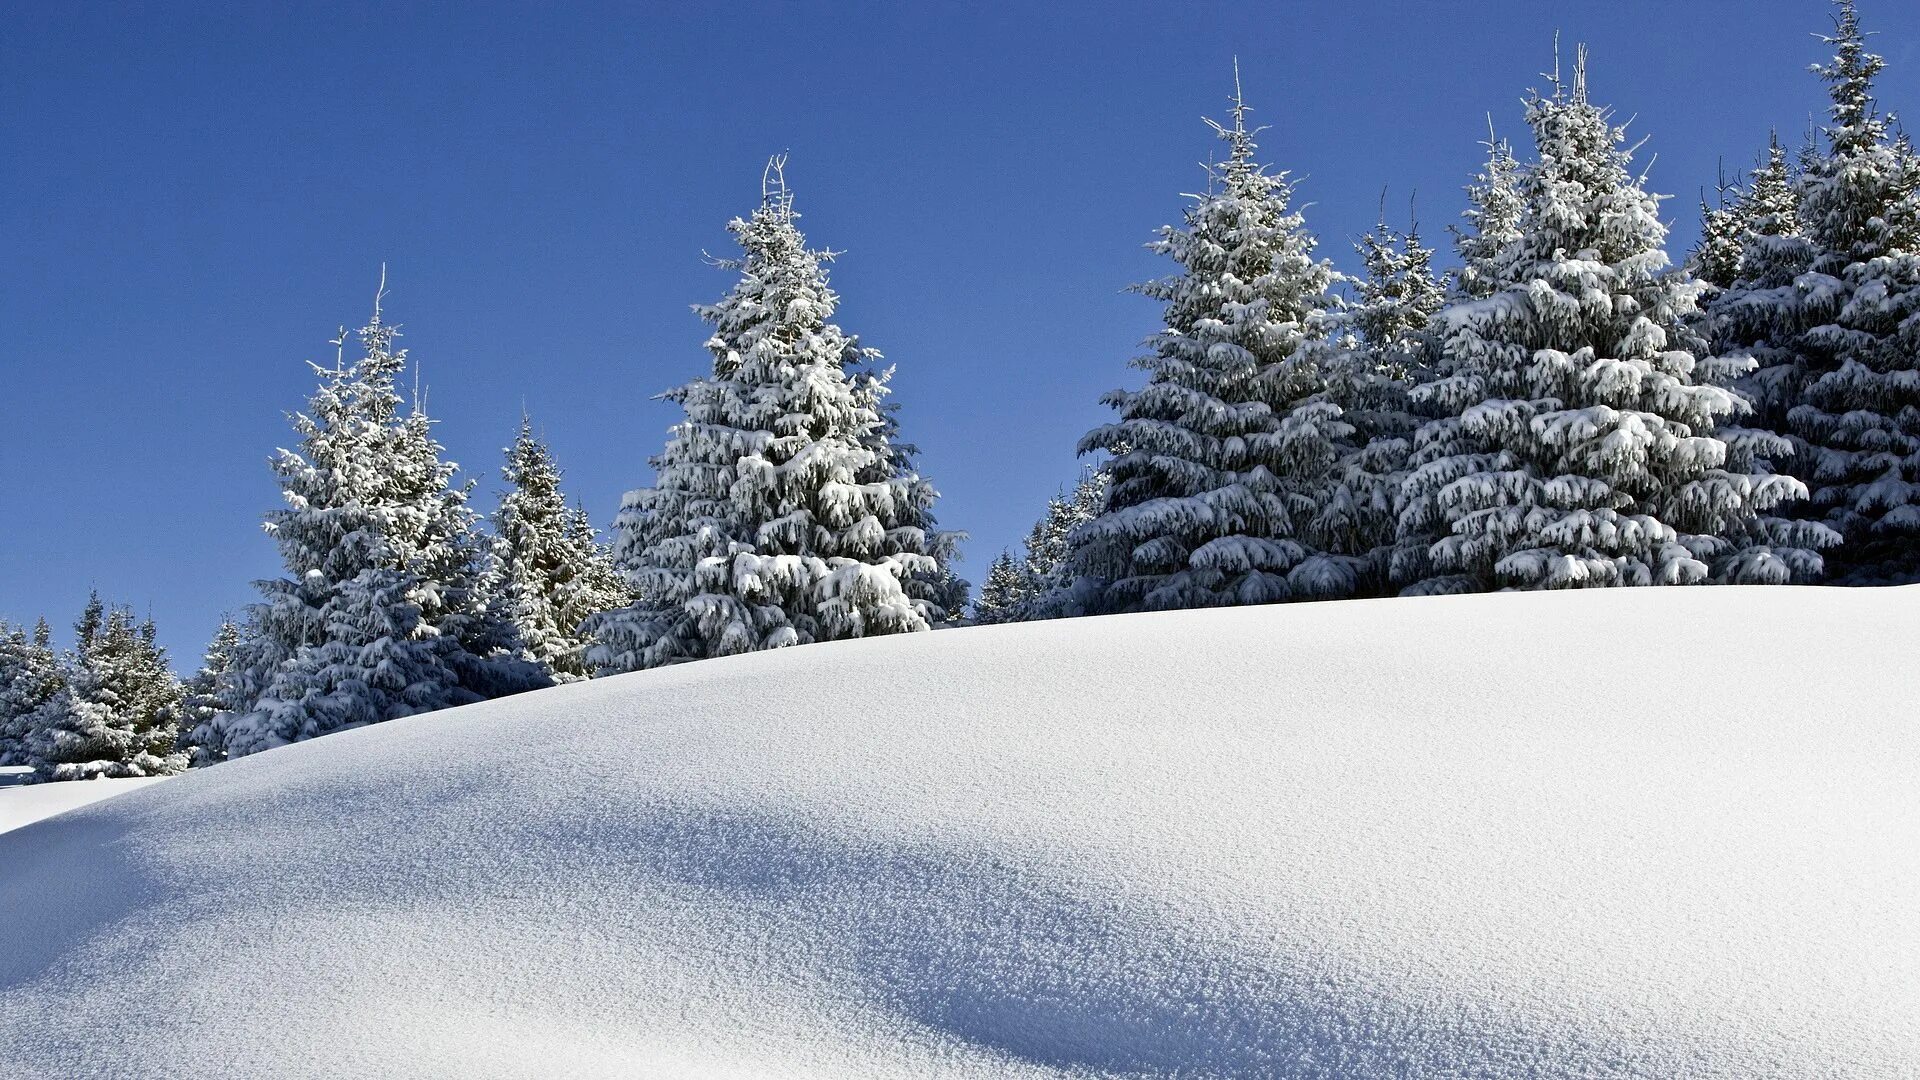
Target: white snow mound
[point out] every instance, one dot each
(1641, 832)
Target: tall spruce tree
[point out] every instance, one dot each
(549, 570)
(1829, 305)
(385, 613)
(1573, 442)
(1217, 464)
(118, 713)
(784, 510)
(30, 675)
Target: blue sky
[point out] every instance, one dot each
(192, 201)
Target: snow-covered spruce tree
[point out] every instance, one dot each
(1831, 311)
(119, 712)
(1715, 258)
(1050, 541)
(943, 591)
(30, 675)
(1383, 347)
(548, 570)
(784, 511)
(1573, 439)
(1018, 589)
(1396, 297)
(1494, 206)
(384, 614)
(1006, 593)
(1220, 460)
(1773, 247)
(200, 736)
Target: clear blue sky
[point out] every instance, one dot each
(192, 201)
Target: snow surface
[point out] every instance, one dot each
(23, 804)
(1636, 832)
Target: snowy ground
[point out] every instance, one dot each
(22, 804)
(1644, 832)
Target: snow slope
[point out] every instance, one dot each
(23, 804)
(1651, 833)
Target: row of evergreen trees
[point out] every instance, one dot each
(109, 707)
(786, 510)
(1564, 410)
(395, 602)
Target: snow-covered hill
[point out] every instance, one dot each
(1639, 832)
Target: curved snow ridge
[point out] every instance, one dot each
(1616, 833)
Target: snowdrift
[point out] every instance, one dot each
(1649, 833)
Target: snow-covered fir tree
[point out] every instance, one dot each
(384, 614)
(1715, 258)
(1050, 541)
(1754, 314)
(549, 570)
(1828, 303)
(1396, 296)
(943, 591)
(1005, 594)
(1384, 346)
(1018, 589)
(1217, 464)
(1494, 206)
(200, 736)
(1773, 247)
(118, 713)
(1573, 442)
(784, 508)
(30, 675)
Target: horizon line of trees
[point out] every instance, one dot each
(1567, 409)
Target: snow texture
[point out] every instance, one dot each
(1298, 840)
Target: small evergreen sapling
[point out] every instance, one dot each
(1019, 589)
(1715, 258)
(1005, 595)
